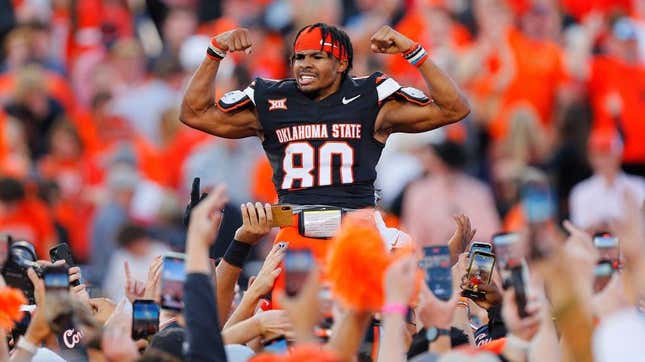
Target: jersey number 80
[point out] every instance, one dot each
(323, 156)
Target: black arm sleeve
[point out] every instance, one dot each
(496, 326)
(202, 323)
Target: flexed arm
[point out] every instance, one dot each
(198, 108)
(448, 104)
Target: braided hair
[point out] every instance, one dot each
(338, 36)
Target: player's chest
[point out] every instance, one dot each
(331, 115)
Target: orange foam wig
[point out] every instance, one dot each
(356, 263)
(10, 301)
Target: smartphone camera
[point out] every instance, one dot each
(173, 276)
(145, 319)
(297, 264)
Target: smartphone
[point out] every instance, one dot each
(277, 345)
(480, 246)
(282, 215)
(173, 276)
(297, 264)
(479, 273)
(438, 274)
(537, 201)
(506, 247)
(62, 252)
(518, 278)
(56, 278)
(145, 319)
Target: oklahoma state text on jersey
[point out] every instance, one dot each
(322, 152)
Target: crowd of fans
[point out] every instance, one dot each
(92, 154)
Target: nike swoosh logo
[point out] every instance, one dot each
(347, 101)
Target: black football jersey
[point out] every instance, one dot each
(322, 152)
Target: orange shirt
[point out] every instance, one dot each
(175, 153)
(31, 221)
(539, 71)
(610, 76)
(56, 86)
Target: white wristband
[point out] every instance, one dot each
(24, 344)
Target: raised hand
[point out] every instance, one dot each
(263, 283)
(195, 199)
(460, 240)
(234, 40)
(207, 216)
(134, 289)
(389, 41)
(399, 280)
(257, 221)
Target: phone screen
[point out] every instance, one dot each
(537, 202)
(506, 249)
(173, 276)
(297, 264)
(480, 271)
(56, 278)
(438, 274)
(145, 319)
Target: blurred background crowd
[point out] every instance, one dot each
(92, 151)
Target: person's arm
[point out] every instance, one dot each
(448, 104)
(256, 223)
(261, 285)
(198, 108)
(202, 323)
(38, 329)
(399, 286)
(269, 324)
(348, 333)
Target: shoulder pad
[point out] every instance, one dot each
(234, 100)
(413, 95)
(385, 86)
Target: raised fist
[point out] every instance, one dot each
(389, 41)
(234, 40)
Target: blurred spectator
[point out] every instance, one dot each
(430, 204)
(25, 217)
(220, 161)
(121, 184)
(616, 90)
(598, 200)
(137, 249)
(77, 177)
(141, 101)
(179, 24)
(34, 108)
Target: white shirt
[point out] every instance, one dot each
(114, 282)
(594, 201)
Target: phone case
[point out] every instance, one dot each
(282, 215)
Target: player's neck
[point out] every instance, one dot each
(326, 92)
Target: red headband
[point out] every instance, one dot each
(311, 39)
